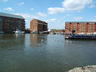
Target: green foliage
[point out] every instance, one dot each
(56, 30)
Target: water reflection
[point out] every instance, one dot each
(44, 53)
(81, 52)
(12, 41)
(37, 40)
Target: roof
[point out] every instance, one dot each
(10, 15)
(90, 22)
(83, 22)
(39, 20)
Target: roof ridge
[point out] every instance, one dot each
(11, 15)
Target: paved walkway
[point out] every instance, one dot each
(91, 68)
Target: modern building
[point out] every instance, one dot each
(38, 26)
(10, 23)
(80, 27)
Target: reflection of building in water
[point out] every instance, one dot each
(36, 40)
(12, 42)
(33, 40)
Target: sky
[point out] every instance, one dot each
(55, 12)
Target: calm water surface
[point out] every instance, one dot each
(44, 53)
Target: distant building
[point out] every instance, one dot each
(38, 26)
(61, 31)
(80, 27)
(10, 23)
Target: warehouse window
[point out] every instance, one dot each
(77, 27)
(87, 27)
(12, 26)
(70, 26)
(95, 27)
(0, 24)
(19, 25)
(78, 23)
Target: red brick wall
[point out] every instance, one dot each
(80, 27)
(34, 25)
(7, 24)
(38, 26)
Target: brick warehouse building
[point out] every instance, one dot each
(38, 26)
(10, 23)
(80, 27)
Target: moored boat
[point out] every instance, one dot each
(19, 32)
(84, 36)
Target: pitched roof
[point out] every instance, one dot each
(10, 15)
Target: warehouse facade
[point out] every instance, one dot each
(10, 23)
(38, 26)
(80, 27)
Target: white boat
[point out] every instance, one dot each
(1, 32)
(19, 32)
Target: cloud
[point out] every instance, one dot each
(31, 8)
(9, 9)
(42, 14)
(5, 0)
(21, 3)
(91, 6)
(68, 15)
(52, 20)
(93, 19)
(70, 5)
(55, 10)
(27, 16)
(26, 20)
(77, 18)
(94, 16)
(75, 4)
